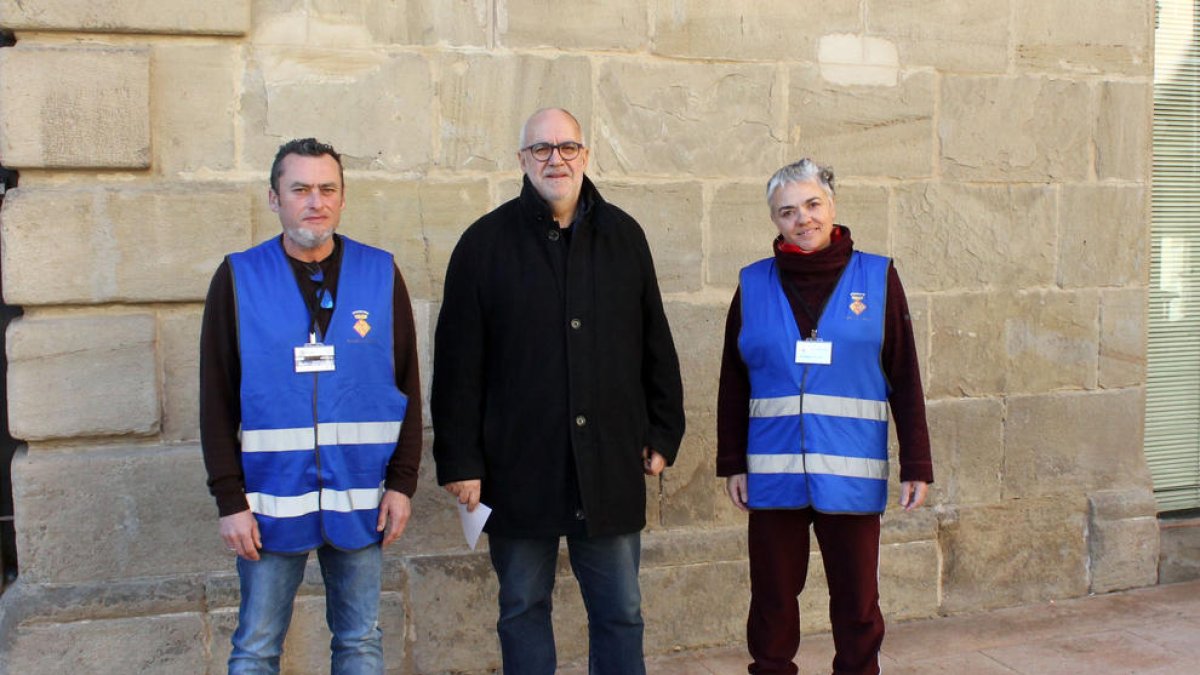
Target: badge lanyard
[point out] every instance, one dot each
(811, 350)
(313, 356)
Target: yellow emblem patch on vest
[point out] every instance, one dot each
(858, 306)
(360, 324)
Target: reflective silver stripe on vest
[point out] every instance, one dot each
(358, 499)
(818, 404)
(330, 433)
(835, 465)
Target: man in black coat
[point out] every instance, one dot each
(556, 386)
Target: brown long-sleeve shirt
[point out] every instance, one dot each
(814, 277)
(220, 382)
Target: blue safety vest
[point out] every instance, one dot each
(315, 446)
(818, 433)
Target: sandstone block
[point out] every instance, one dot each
(960, 237)
(698, 119)
(1052, 341)
(671, 215)
(909, 578)
(1179, 558)
(212, 17)
(50, 225)
(970, 35)
(966, 332)
(1122, 338)
(699, 332)
(453, 605)
(850, 59)
(82, 376)
(740, 231)
(862, 130)
(985, 137)
(967, 437)
(509, 87)
(689, 493)
(30, 603)
(75, 107)
(1059, 38)
(1122, 539)
(1123, 131)
(746, 29)
(179, 337)
(1097, 245)
(100, 524)
(165, 644)
(1012, 553)
(1097, 443)
(295, 92)
(863, 209)
(369, 23)
(418, 221)
(195, 108)
(692, 606)
(618, 25)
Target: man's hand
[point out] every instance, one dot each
(467, 491)
(652, 462)
(240, 533)
(735, 487)
(394, 510)
(912, 493)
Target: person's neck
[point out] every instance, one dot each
(314, 255)
(564, 212)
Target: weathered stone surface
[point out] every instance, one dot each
(1123, 131)
(740, 231)
(1122, 338)
(864, 210)
(1179, 557)
(963, 237)
(699, 333)
(863, 130)
(418, 221)
(1012, 553)
(1060, 38)
(690, 492)
(1052, 341)
(1122, 539)
(967, 332)
(453, 603)
(968, 450)
(26, 602)
(1104, 231)
(75, 107)
(692, 606)
(371, 23)
(966, 35)
(746, 29)
(296, 92)
(1097, 441)
(129, 244)
(671, 215)
(179, 347)
(82, 376)
(696, 119)
(985, 137)
(615, 25)
(918, 311)
(214, 17)
(96, 525)
(194, 107)
(510, 87)
(849, 59)
(158, 644)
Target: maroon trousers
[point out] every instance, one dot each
(779, 545)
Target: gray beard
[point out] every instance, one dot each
(306, 239)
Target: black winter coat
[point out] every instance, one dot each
(547, 389)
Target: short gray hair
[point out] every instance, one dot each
(801, 172)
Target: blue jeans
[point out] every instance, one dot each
(352, 586)
(607, 571)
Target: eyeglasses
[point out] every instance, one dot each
(542, 151)
(324, 297)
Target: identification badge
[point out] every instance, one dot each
(314, 357)
(815, 352)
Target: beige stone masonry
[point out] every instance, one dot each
(194, 107)
(1097, 246)
(1052, 341)
(75, 106)
(758, 30)
(848, 60)
(966, 437)
(613, 25)
(509, 87)
(1123, 539)
(657, 118)
(996, 129)
(962, 36)
(1122, 338)
(153, 645)
(179, 340)
(1123, 130)
(217, 17)
(372, 23)
(82, 376)
(1061, 37)
(966, 334)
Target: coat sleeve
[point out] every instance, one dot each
(457, 397)
(733, 398)
(907, 397)
(661, 381)
(406, 459)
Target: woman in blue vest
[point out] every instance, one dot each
(818, 346)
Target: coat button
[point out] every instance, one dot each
(578, 514)
(576, 324)
(553, 235)
(580, 421)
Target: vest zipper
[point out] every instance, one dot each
(803, 450)
(317, 448)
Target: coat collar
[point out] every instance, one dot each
(537, 211)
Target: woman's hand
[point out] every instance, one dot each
(735, 487)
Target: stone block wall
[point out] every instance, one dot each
(998, 150)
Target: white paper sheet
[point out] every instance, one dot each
(472, 522)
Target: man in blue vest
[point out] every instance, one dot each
(310, 416)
